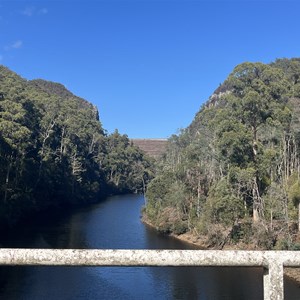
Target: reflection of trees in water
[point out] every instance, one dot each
(89, 225)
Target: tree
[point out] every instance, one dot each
(258, 90)
(54, 151)
(239, 151)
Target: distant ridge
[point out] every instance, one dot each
(153, 147)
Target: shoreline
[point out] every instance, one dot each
(190, 238)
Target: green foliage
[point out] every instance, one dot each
(237, 159)
(222, 206)
(294, 189)
(275, 202)
(156, 194)
(179, 227)
(54, 151)
(242, 231)
(234, 142)
(126, 167)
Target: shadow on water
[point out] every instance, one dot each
(115, 223)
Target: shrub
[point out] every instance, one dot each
(180, 227)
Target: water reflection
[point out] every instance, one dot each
(115, 224)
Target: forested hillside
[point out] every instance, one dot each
(54, 151)
(233, 176)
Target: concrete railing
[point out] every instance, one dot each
(272, 261)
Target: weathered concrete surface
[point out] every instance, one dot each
(85, 257)
(273, 282)
(272, 261)
(153, 147)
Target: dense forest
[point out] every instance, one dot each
(233, 175)
(54, 152)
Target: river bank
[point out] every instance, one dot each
(115, 224)
(202, 243)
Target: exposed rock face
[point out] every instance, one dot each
(153, 147)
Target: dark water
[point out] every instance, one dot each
(115, 224)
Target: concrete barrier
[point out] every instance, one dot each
(272, 261)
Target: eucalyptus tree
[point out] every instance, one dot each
(242, 147)
(54, 151)
(258, 91)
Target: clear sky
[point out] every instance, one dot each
(147, 65)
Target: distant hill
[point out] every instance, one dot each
(59, 90)
(153, 147)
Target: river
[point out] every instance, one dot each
(115, 224)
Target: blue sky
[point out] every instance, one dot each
(147, 65)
